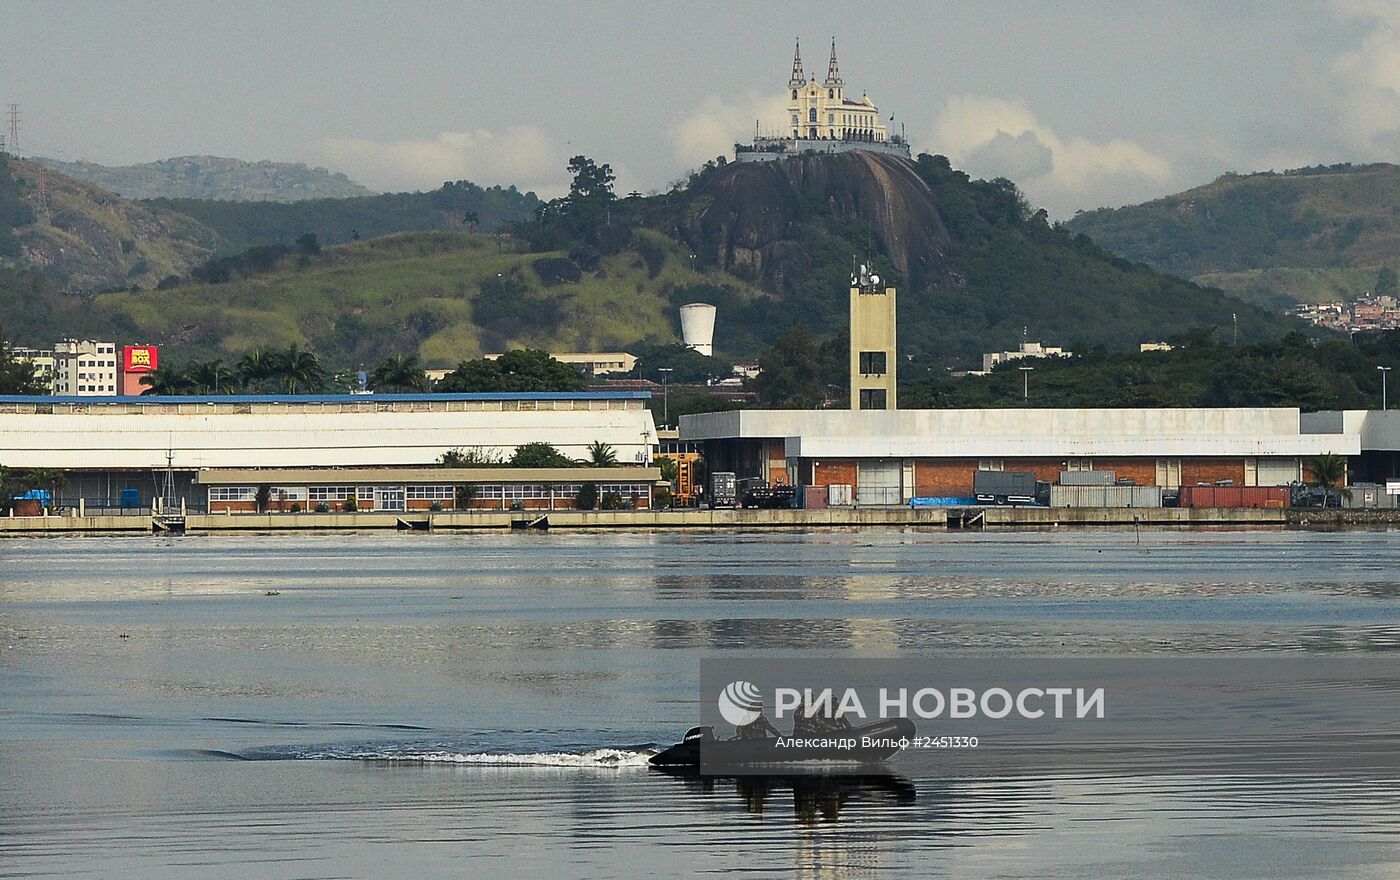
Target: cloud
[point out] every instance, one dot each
(713, 128)
(994, 137)
(522, 155)
(1367, 78)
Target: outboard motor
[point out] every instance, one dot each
(697, 734)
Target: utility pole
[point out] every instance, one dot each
(1384, 402)
(1025, 382)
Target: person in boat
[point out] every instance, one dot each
(759, 728)
(808, 725)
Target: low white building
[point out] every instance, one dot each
(107, 446)
(1025, 350)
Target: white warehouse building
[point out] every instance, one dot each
(109, 448)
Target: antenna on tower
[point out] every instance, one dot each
(44, 194)
(14, 130)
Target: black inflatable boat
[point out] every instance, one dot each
(854, 746)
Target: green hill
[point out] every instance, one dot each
(1305, 235)
(458, 205)
(89, 239)
(445, 296)
(771, 244)
(213, 177)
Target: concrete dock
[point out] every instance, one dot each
(934, 517)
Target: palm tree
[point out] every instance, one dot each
(254, 369)
(209, 377)
(398, 373)
(50, 479)
(299, 372)
(1330, 471)
(166, 381)
(600, 455)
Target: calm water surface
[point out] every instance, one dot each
(447, 705)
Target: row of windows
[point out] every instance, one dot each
(873, 363)
(431, 493)
(489, 491)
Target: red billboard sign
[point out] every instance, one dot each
(140, 358)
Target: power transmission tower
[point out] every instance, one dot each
(14, 130)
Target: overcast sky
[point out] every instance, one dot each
(1083, 104)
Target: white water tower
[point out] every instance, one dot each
(698, 327)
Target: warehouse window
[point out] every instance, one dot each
(1169, 472)
(1079, 464)
(430, 493)
(288, 493)
(330, 493)
(991, 464)
(873, 398)
(872, 363)
(232, 493)
(364, 493)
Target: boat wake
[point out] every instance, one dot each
(597, 758)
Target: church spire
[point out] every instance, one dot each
(797, 76)
(833, 73)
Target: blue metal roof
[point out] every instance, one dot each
(333, 398)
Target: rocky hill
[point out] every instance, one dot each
(1276, 238)
(214, 177)
(771, 244)
(84, 238)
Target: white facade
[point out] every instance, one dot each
(331, 431)
(1378, 430)
(1026, 433)
(1024, 350)
(85, 368)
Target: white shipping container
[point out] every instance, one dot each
(1105, 496)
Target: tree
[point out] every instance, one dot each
(592, 183)
(600, 455)
(254, 369)
(1386, 282)
(18, 375)
(539, 455)
(668, 466)
(587, 496)
(298, 372)
(516, 370)
(166, 381)
(791, 376)
(1329, 470)
(474, 457)
(309, 244)
(209, 377)
(398, 373)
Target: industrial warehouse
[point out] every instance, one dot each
(346, 452)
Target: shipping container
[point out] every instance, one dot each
(1105, 496)
(1236, 496)
(1087, 478)
(1000, 486)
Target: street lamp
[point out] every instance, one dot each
(1383, 370)
(665, 394)
(1025, 382)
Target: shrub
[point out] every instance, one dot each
(611, 501)
(435, 506)
(322, 507)
(296, 507)
(587, 496)
(466, 494)
(661, 498)
(349, 505)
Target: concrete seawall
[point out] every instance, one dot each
(996, 517)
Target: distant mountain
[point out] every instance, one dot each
(214, 177)
(1274, 238)
(83, 238)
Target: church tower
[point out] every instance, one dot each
(797, 78)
